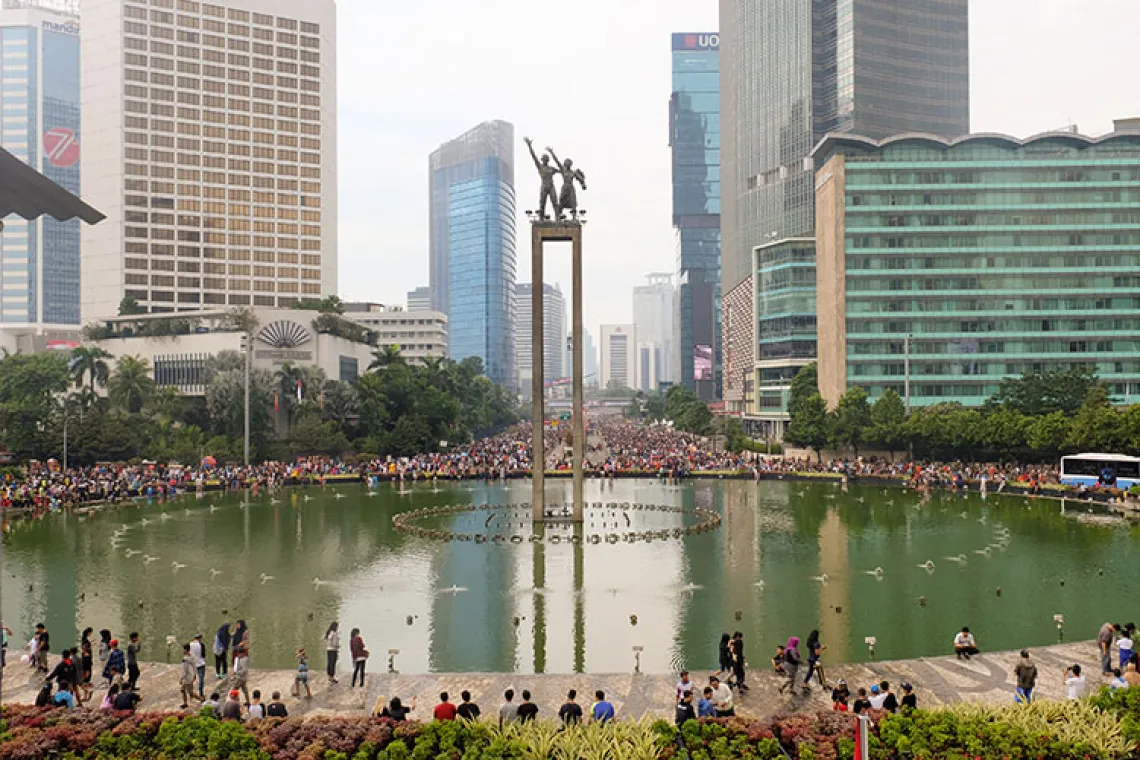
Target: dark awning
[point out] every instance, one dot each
(27, 193)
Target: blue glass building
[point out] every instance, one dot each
(39, 124)
(472, 240)
(694, 137)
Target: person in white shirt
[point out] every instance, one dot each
(684, 685)
(877, 697)
(1074, 683)
(721, 698)
(964, 644)
(198, 655)
(332, 650)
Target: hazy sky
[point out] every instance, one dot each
(592, 78)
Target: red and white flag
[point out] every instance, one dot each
(298, 390)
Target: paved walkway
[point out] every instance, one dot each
(937, 680)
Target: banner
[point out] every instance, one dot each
(702, 362)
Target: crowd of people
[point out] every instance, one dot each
(616, 447)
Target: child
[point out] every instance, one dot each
(1124, 645)
(302, 678)
(778, 660)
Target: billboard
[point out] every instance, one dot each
(697, 41)
(702, 362)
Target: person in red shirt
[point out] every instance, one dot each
(444, 710)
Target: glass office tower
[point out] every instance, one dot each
(982, 258)
(39, 124)
(694, 137)
(472, 240)
(793, 71)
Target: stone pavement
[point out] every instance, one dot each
(937, 680)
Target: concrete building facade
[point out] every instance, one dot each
(619, 356)
(473, 248)
(419, 299)
(977, 259)
(40, 125)
(418, 334)
(211, 144)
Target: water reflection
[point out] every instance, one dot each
(566, 607)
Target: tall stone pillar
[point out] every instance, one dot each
(542, 232)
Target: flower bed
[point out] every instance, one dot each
(1106, 727)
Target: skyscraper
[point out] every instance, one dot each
(792, 71)
(472, 242)
(211, 145)
(554, 330)
(39, 112)
(653, 317)
(419, 299)
(694, 138)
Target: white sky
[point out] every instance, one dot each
(415, 74)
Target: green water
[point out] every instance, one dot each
(65, 571)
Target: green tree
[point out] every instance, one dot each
(1004, 431)
(89, 362)
(1097, 426)
(386, 357)
(1046, 435)
(852, 424)
(29, 384)
(130, 386)
(129, 307)
(1039, 393)
(805, 385)
(326, 305)
(813, 425)
(888, 416)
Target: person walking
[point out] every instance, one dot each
(1026, 674)
(43, 646)
(814, 654)
(1104, 639)
(186, 677)
(302, 677)
(104, 650)
(359, 656)
(332, 650)
(133, 647)
(791, 665)
(738, 661)
(221, 651)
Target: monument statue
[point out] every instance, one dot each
(546, 172)
(565, 201)
(568, 200)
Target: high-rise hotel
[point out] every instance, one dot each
(210, 143)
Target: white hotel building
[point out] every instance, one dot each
(209, 141)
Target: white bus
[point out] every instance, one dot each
(1106, 470)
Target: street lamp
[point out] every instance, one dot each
(245, 340)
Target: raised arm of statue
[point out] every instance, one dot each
(553, 155)
(530, 147)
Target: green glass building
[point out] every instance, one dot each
(945, 266)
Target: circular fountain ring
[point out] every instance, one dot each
(410, 523)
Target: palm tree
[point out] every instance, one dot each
(385, 357)
(87, 361)
(130, 387)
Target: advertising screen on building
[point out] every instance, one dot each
(702, 362)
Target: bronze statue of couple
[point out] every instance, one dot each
(566, 201)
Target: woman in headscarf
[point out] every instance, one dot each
(814, 653)
(792, 662)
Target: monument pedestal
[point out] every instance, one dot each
(542, 232)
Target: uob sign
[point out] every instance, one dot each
(706, 41)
